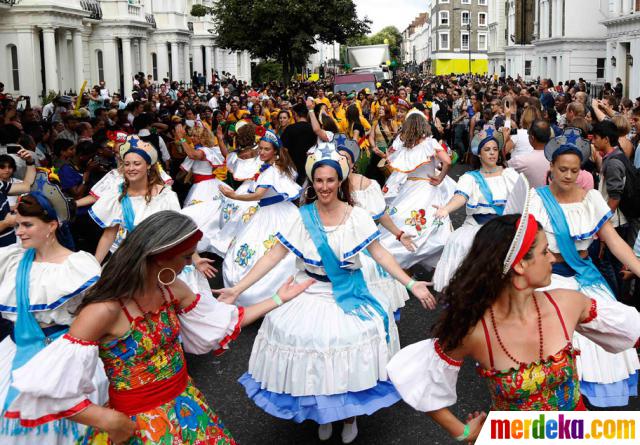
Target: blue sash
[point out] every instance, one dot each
(349, 288)
(128, 214)
(486, 191)
(586, 272)
(28, 335)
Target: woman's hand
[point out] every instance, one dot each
(422, 293)
(435, 180)
(179, 131)
(25, 155)
(204, 266)
(441, 212)
(226, 191)
(289, 290)
(475, 421)
(406, 240)
(120, 427)
(227, 294)
(310, 103)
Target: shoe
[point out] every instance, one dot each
(349, 432)
(325, 431)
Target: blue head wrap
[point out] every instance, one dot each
(273, 139)
(64, 231)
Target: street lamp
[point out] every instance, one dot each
(468, 34)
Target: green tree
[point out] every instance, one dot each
(284, 30)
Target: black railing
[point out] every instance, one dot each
(92, 6)
(8, 2)
(151, 19)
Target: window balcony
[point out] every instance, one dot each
(93, 7)
(151, 19)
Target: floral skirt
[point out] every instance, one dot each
(187, 419)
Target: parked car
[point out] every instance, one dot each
(354, 82)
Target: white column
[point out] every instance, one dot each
(78, 62)
(163, 61)
(174, 62)
(208, 65)
(198, 62)
(50, 58)
(126, 66)
(144, 56)
(187, 66)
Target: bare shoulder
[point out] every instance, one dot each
(96, 320)
(181, 291)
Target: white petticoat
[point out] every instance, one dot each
(310, 346)
(413, 212)
(60, 432)
(256, 237)
(205, 191)
(594, 363)
(455, 251)
(207, 217)
(234, 216)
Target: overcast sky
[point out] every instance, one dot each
(390, 12)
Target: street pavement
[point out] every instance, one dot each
(217, 378)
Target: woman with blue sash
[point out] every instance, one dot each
(274, 190)
(322, 357)
(142, 193)
(571, 218)
(484, 193)
(42, 282)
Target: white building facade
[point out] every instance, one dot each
(622, 57)
(327, 55)
(55, 45)
(496, 44)
(416, 44)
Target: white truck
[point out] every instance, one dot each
(370, 58)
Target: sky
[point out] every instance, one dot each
(398, 13)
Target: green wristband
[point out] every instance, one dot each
(465, 433)
(275, 297)
(410, 284)
(182, 141)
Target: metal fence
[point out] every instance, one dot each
(92, 6)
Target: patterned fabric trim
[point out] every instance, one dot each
(593, 312)
(236, 331)
(445, 357)
(77, 341)
(32, 423)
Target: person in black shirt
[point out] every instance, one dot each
(298, 138)
(7, 220)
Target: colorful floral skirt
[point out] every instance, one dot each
(187, 419)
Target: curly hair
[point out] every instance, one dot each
(246, 136)
(414, 129)
(477, 283)
(204, 136)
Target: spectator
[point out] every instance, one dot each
(534, 165)
(298, 138)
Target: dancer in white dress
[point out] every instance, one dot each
(323, 357)
(41, 284)
(274, 189)
(412, 210)
(484, 192)
(244, 164)
(141, 194)
(571, 218)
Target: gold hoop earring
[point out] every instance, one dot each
(306, 193)
(170, 282)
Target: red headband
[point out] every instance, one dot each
(183, 246)
(528, 238)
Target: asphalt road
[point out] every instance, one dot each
(399, 424)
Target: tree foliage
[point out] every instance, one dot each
(284, 30)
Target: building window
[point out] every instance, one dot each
(637, 5)
(444, 18)
(482, 2)
(482, 41)
(600, 63)
(239, 64)
(464, 41)
(443, 1)
(444, 40)
(154, 65)
(15, 71)
(482, 19)
(466, 2)
(527, 67)
(465, 18)
(100, 66)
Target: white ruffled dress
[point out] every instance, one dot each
(380, 283)
(107, 211)
(412, 207)
(606, 379)
(55, 291)
(460, 241)
(310, 359)
(426, 377)
(206, 186)
(276, 212)
(235, 215)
